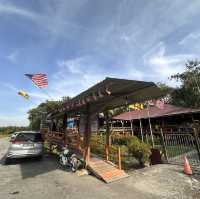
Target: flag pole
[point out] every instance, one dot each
(44, 91)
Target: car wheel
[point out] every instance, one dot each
(40, 157)
(7, 161)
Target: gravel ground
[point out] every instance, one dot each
(45, 179)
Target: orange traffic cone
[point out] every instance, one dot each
(187, 168)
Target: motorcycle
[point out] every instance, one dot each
(69, 159)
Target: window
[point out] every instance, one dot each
(34, 137)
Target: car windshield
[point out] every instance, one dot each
(34, 137)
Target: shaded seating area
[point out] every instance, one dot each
(100, 98)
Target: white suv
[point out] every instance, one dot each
(25, 144)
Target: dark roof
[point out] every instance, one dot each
(114, 93)
(155, 112)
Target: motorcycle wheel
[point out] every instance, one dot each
(61, 161)
(74, 164)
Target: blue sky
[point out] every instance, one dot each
(80, 42)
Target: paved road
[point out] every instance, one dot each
(45, 179)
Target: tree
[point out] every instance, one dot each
(36, 115)
(164, 87)
(11, 129)
(65, 99)
(188, 94)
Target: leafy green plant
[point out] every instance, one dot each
(139, 150)
(132, 150)
(97, 145)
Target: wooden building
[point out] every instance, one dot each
(170, 118)
(104, 96)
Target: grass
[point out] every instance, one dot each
(173, 151)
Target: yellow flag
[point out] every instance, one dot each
(136, 106)
(23, 94)
(132, 106)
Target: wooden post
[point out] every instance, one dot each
(119, 158)
(197, 142)
(107, 152)
(163, 144)
(87, 135)
(150, 127)
(107, 130)
(88, 155)
(123, 126)
(50, 148)
(108, 141)
(141, 130)
(147, 141)
(132, 133)
(64, 128)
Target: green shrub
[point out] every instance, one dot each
(97, 145)
(120, 141)
(139, 150)
(131, 149)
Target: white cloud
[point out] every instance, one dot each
(74, 66)
(13, 56)
(190, 38)
(11, 9)
(9, 86)
(53, 18)
(73, 76)
(163, 66)
(76, 75)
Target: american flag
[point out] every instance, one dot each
(39, 79)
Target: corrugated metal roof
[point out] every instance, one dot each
(155, 112)
(121, 91)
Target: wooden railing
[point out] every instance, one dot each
(115, 156)
(55, 135)
(70, 138)
(109, 153)
(122, 130)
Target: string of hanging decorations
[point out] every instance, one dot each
(88, 99)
